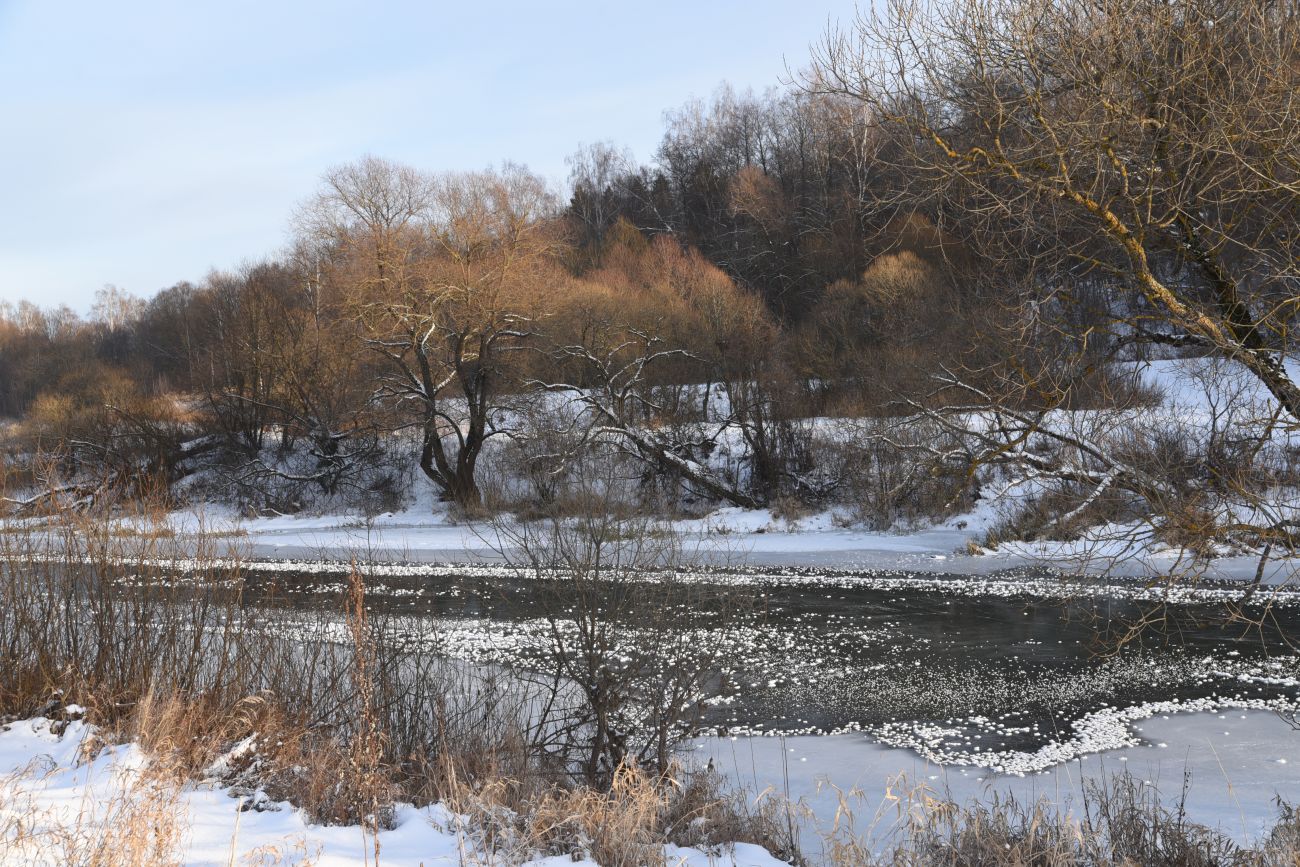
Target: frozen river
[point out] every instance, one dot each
(1017, 672)
(1014, 683)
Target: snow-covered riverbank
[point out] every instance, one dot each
(58, 804)
(426, 533)
(56, 801)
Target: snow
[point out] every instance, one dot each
(732, 535)
(45, 783)
(1240, 762)
(727, 537)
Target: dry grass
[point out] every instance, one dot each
(131, 822)
(626, 825)
(1118, 822)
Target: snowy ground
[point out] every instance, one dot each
(729, 536)
(1240, 762)
(1199, 395)
(67, 806)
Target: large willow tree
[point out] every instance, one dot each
(444, 272)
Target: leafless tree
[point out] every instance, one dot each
(1128, 168)
(597, 175)
(625, 617)
(1144, 146)
(618, 407)
(444, 274)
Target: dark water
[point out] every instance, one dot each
(810, 656)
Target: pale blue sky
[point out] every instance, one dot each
(145, 143)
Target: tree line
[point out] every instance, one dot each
(430, 303)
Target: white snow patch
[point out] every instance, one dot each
(45, 783)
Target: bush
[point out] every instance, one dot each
(888, 475)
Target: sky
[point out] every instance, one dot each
(148, 143)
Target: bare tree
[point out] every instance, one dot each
(1142, 147)
(1128, 170)
(237, 370)
(444, 273)
(625, 618)
(321, 394)
(617, 406)
(597, 176)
